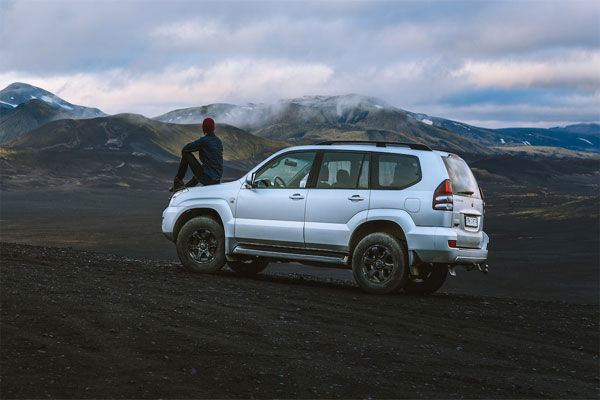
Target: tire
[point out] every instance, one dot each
(379, 263)
(201, 245)
(248, 268)
(430, 279)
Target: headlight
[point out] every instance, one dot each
(176, 194)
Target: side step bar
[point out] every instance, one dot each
(240, 250)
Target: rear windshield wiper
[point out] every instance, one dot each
(467, 193)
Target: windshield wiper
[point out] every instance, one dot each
(467, 193)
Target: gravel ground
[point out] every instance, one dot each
(78, 324)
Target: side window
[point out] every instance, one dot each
(287, 171)
(397, 171)
(344, 170)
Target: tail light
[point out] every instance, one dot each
(442, 197)
(452, 243)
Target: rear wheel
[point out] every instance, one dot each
(379, 263)
(201, 245)
(248, 267)
(431, 277)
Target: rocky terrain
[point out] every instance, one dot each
(81, 324)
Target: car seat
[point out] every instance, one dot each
(342, 179)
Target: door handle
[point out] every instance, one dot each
(356, 197)
(296, 196)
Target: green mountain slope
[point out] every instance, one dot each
(28, 116)
(132, 133)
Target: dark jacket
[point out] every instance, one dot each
(210, 150)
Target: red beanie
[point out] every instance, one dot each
(208, 125)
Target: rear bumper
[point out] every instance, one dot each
(431, 245)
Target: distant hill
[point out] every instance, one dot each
(310, 119)
(131, 133)
(591, 129)
(580, 137)
(24, 107)
(19, 93)
(28, 116)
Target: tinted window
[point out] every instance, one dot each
(344, 170)
(461, 177)
(397, 171)
(287, 171)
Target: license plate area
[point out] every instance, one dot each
(471, 222)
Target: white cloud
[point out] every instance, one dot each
(580, 70)
(243, 80)
(186, 32)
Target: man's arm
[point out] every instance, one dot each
(192, 146)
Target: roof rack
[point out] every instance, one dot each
(414, 146)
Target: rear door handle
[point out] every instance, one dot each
(296, 196)
(356, 197)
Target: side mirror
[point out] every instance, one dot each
(250, 180)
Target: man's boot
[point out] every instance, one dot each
(177, 184)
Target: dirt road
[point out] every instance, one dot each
(80, 325)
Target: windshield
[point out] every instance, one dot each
(461, 177)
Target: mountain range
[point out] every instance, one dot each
(349, 117)
(54, 135)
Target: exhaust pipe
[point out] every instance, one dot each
(482, 267)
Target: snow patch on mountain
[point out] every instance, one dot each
(48, 99)
(585, 140)
(8, 104)
(427, 121)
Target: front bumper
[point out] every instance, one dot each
(430, 244)
(169, 218)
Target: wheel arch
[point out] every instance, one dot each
(193, 213)
(372, 226)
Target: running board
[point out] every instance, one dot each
(240, 250)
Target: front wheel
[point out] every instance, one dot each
(248, 267)
(431, 277)
(201, 245)
(379, 263)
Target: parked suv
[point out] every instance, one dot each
(400, 215)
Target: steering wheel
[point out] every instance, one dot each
(278, 181)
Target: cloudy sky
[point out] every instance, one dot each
(489, 63)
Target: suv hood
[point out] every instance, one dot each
(225, 191)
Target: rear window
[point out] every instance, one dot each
(396, 171)
(461, 177)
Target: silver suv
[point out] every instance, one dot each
(399, 214)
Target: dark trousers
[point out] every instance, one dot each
(188, 159)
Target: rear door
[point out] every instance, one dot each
(467, 213)
(338, 201)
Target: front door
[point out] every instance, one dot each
(339, 201)
(272, 211)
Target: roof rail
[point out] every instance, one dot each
(414, 146)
